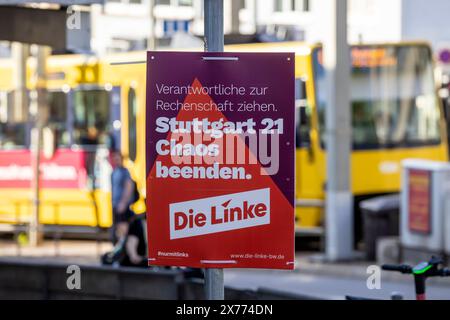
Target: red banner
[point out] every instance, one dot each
(66, 169)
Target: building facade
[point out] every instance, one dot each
(122, 25)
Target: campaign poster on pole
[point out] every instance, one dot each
(220, 150)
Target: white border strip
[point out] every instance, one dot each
(220, 58)
(218, 261)
(119, 63)
(127, 62)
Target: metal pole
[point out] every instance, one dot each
(236, 6)
(214, 287)
(151, 42)
(214, 42)
(20, 55)
(255, 14)
(34, 232)
(213, 25)
(339, 200)
(39, 111)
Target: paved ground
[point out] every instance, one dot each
(311, 278)
(75, 251)
(326, 286)
(315, 278)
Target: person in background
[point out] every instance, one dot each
(131, 249)
(136, 243)
(121, 196)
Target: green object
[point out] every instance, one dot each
(423, 270)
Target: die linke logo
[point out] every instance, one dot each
(218, 214)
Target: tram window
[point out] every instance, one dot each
(12, 134)
(393, 97)
(90, 116)
(303, 123)
(58, 117)
(132, 108)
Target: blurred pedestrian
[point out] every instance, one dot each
(131, 247)
(136, 243)
(122, 196)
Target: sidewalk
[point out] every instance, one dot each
(310, 263)
(70, 251)
(88, 252)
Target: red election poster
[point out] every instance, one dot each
(420, 201)
(220, 159)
